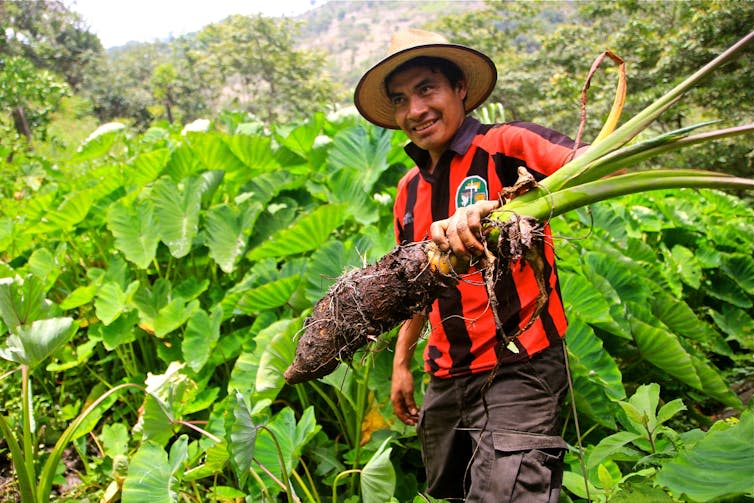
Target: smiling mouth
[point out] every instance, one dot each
(424, 126)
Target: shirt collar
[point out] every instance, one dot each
(459, 144)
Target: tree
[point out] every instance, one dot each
(29, 96)
(260, 71)
(51, 36)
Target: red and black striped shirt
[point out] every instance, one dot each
(480, 161)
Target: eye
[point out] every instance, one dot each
(426, 89)
(397, 100)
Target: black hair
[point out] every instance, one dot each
(450, 70)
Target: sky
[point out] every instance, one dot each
(117, 22)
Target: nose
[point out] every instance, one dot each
(416, 106)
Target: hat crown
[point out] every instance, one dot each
(413, 37)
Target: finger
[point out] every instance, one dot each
(437, 232)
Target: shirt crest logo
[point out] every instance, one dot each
(471, 190)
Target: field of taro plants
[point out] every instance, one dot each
(153, 285)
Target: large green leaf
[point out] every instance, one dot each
(325, 265)
(718, 466)
(583, 297)
(177, 208)
(254, 151)
(585, 349)
(740, 268)
(307, 233)
(153, 477)
(173, 315)
(363, 151)
(147, 166)
(244, 373)
(183, 162)
(275, 358)
(202, 333)
(378, 476)
(680, 319)
(31, 344)
(347, 187)
(71, 211)
(268, 296)
(214, 153)
(290, 435)
(736, 323)
(227, 231)
(98, 143)
(721, 286)
(301, 140)
(135, 230)
(241, 438)
(112, 301)
(22, 302)
(662, 349)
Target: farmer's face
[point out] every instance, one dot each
(427, 107)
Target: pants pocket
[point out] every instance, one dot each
(527, 468)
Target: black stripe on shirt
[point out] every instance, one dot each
(408, 214)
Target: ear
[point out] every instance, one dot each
(462, 89)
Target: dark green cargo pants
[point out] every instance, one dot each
(512, 453)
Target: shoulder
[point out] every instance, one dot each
(410, 175)
(528, 131)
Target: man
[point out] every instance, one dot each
(484, 437)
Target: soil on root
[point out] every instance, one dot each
(363, 304)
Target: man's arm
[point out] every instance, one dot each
(402, 383)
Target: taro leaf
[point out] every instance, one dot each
(713, 383)
(214, 153)
(32, 343)
(610, 217)
(275, 358)
(718, 466)
(173, 315)
(22, 303)
(241, 438)
(149, 302)
(723, 287)
(114, 438)
(736, 323)
(202, 333)
(254, 151)
(265, 186)
(685, 265)
(177, 212)
(244, 373)
(347, 187)
(292, 437)
(182, 162)
(268, 296)
(675, 314)
(99, 142)
(641, 408)
(325, 265)
(81, 295)
(152, 476)
(363, 151)
(623, 275)
(71, 211)
(227, 231)
(597, 367)
(46, 266)
(120, 331)
(378, 476)
(741, 269)
(662, 348)
(214, 460)
(301, 140)
(306, 233)
(111, 301)
(135, 231)
(146, 167)
(614, 447)
(156, 423)
(581, 296)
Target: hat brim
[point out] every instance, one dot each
(371, 98)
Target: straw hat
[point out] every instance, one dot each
(371, 97)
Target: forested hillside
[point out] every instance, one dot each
(171, 211)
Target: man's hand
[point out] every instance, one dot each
(462, 232)
(402, 396)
